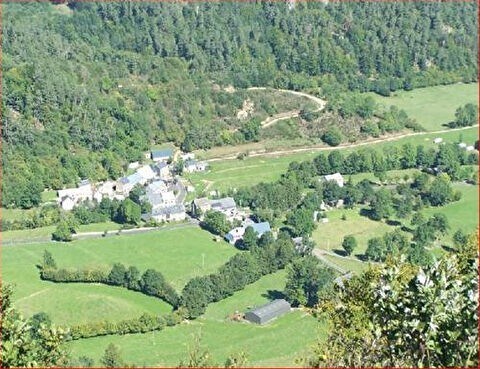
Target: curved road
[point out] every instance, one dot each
(290, 114)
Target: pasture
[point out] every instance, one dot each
(432, 107)
(269, 345)
(234, 173)
(180, 254)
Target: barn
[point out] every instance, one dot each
(267, 312)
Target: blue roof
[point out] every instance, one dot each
(261, 228)
(164, 153)
(133, 178)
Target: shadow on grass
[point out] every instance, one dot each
(273, 294)
(393, 223)
(448, 248)
(361, 257)
(342, 253)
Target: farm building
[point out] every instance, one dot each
(126, 184)
(162, 170)
(146, 172)
(169, 213)
(157, 187)
(336, 177)
(267, 312)
(70, 197)
(237, 233)
(161, 155)
(191, 166)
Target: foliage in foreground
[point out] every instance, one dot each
(401, 315)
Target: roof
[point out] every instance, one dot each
(190, 162)
(334, 177)
(132, 179)
(174, 209)
(160, 165)
(84, 182)
(235, 233)
(260, 228)
(201, 202)
(146, 172)
(164, 153)
(225, 203)
(271, 310)
(157, 186)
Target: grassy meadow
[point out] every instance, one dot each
(221, 336)
(433, 107)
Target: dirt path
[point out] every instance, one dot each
(289, 114)
(343, 146)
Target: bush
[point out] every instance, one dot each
(332, 137)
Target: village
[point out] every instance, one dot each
(166, 191)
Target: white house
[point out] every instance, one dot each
(237, 233)
(438, 140)
(462, 145)
(146, 172)
(134, 165)
(70, 197)
(168, 214)
(162, 170)
(337, 177)
(126, 184)
(191, 166)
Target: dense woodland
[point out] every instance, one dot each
(90, 86)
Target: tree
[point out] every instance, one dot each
(301, 220)
(381, 205)
(250, 238)
(306, 277)
(196, 296)
(129, 212)
(136, 194)
(349, 244)
(465, 116)
(117, 275)
(31, 343)
(236, 360)
(369, 329)
(332, 136)
(440, 192)
(198, 356)
(48, 260)
(63, 232)
(251, 130)
(376, 249)
(216, 222)
(111, 357)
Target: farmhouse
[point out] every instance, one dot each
(191, 166)
(161, 155)
(125, 184)
(201, 205)
(70, 197)
(156, 187)
(237, 233)
(162, 170)
(336, 177)
(267, 312)
(146, 172)
(160, 200)
(169, 213)
(226, 206)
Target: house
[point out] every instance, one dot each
(169, 213)
(191, 166)
(237, 233)
(158, 186)
(162, 170)
(336, 177)
(162, 155)
(126, 184)
(201, 205)
(267, 312)
(226, 206)
(70, 197)
(188, 156)
(133, 165)
(146, 172)
(438, 140)
(160, 200)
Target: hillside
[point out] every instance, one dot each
(89, 87)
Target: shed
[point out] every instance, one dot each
(267, 312)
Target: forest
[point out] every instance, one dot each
(89, 87)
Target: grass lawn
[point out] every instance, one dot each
(329, 236)
(49, 195)
(433, 106)
(354, 265)
(234, 173)
(291, 334)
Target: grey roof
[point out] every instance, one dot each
(83, 182)
(155, 199)
(260, 228)
(174, 209)
(164, 153)
(133, 179)
(156, 186)
(271, 310)
(225, 203)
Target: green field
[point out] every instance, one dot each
(170, 251)
(292, 334)
(233, 173)
(432, 107)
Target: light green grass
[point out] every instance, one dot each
(347, 264)
(234, 173)
(15, 214)
(49, 195)
(277, 343)
(432, 107)
(329, 236)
